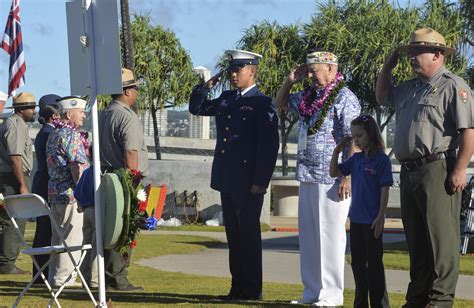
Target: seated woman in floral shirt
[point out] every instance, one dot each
(67, 157)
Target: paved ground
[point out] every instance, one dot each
(281, 262)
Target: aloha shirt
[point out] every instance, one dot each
(312, 165)
(64, 149)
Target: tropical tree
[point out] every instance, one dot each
(127, 44)
(165, 68)
(282, 47)
(363, 33)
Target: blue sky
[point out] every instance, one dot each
(206, 29)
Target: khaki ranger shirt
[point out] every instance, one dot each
(121, 130)
(430, 116)
(15, 140)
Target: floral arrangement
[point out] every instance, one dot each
(319, 102)
(134, 211)
(60, 123)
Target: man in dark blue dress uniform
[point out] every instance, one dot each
(244, 159)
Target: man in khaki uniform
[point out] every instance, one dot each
(16, 162)
(435, 117)
(122, 145)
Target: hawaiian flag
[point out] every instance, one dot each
(13, 45)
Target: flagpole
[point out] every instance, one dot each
(96, 151)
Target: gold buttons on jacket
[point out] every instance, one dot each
(222, 151)
(228, 117)
(225, 139)
(245, 161)
(227, 128)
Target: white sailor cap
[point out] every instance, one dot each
(240, 58)
(71, 102)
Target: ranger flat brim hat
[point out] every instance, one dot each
(23, 100)
(128, 78)
(427, 38)
(240, 58)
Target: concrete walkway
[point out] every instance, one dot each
(280, 262)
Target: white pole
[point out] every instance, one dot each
(96, 152)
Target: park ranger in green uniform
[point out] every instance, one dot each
(122, 145)
(16, 162)
(434, 143)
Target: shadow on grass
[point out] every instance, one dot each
(13, 289)
(170, 298)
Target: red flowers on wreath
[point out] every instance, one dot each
(135, 216)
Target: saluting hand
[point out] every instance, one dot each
(342, 144)
(214, 80)
(392, 61)
(298, 73)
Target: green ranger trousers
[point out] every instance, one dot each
(116, 267)
(10, 241)
(430, 215)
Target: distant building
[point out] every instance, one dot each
(199, 126)
(161, 118)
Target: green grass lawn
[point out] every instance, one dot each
(396, 257)
(204, 228)
(165, 289)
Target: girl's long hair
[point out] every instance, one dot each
(373, 131)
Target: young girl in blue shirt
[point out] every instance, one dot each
(371, 178)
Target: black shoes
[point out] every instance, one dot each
(229, 297)
(15, 271)
(235, 296)
(129, 288)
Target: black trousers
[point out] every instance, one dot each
(42, 238)
(10, 241)
(367, 267)
(242, 225)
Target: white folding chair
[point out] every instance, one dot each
(31, 206)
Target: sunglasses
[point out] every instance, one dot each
(419, 51)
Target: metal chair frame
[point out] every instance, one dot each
(31, 206)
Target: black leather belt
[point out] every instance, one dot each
(415, 163)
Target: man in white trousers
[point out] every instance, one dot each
(325, 109)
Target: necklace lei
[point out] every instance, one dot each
(58, 123)
(312, 103)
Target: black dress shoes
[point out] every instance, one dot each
(232, 296)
